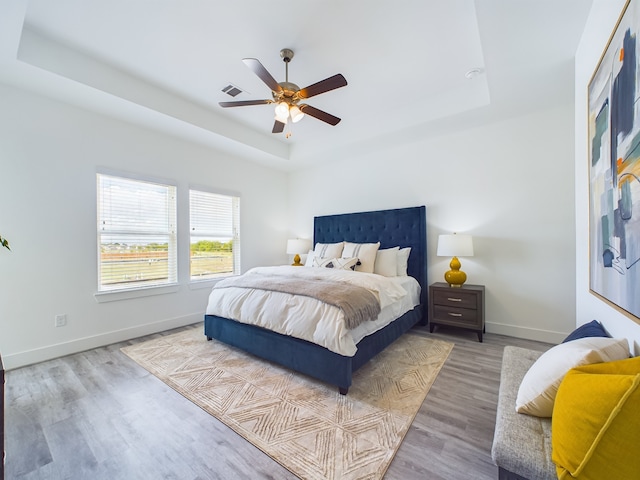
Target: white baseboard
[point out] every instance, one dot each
(547, 336)
(37, 355)
(29, 357)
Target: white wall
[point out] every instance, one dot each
(509, 184)
(602, 20)
(49, 155)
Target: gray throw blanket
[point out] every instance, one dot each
(357, 303)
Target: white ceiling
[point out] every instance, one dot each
(163, 63)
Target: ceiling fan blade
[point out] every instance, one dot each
(257, 68)
(319, 114)
(278, 127)
(323, 86)
(244, 103)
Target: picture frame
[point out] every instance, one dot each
(614, 168)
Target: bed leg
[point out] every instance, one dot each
(209, 338)
(343, 390)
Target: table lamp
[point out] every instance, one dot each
(455, 246)
(295, 247)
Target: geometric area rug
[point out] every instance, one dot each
(303, 424)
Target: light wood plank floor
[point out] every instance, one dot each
(98, 415)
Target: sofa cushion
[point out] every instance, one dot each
(537, 391)
(595, 424)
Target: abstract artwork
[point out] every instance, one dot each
(614, 168)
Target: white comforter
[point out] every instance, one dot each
(307, 318)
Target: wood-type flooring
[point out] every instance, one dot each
(98, 415)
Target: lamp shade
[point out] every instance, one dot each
(298, 245)
(296, 114)
(282, 109)
(282, 112)
(455, 245)
(284, 120)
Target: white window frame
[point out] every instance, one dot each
(203, 230)
(169, 233)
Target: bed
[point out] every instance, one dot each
(405, 227)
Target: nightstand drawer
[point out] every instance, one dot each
(452, 315)
(455, 297)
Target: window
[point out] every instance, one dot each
(136, 234)
(215, 235)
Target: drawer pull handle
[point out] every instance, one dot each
(455, 314)
(454, 299)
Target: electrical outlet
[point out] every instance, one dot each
(61, 320)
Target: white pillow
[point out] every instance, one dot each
(386, 263)
(403, 261)
(309, 261)
(539, 386)
(328, 250)
(364, 252)
(337, 263)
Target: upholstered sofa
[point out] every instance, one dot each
(521, 443)
(560, 383)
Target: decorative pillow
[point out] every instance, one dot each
(591, 329)
(403, 261)
(364, 252)
(595, 425)
(386, 263)
(329, 250)
(337, 263)
(540, 384)
(309, 261)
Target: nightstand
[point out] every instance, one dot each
(457, 307)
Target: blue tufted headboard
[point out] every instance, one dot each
(402, 227)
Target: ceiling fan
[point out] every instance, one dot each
(287, 95)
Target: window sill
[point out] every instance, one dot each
(113, 296)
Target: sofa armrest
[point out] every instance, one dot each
(521, 443)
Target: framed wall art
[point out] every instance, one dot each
(614, 168)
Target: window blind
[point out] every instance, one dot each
(215, 234)
(137, 244)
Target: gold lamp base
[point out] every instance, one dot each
(296, 261)
(455, 277)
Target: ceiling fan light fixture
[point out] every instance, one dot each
(296, 114)
(284, 120)
(282, 109)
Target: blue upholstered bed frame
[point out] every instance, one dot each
(404, 227)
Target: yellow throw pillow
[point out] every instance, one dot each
(595, 427)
